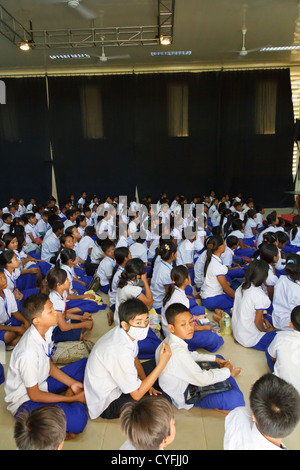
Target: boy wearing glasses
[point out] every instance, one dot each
(33, 380)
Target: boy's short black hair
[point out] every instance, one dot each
(90, 231)
(295, 317)
(130, 309)
(173, 310)
(33, 306)
(231, 241)
(275, 405)
(106, 244)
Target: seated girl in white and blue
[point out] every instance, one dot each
(85, 302)
(251, 231)
(122, 255)
(251, 326)
(204, 337)
(71, 322)
(215, 292)
(106, 265)
(161, 276)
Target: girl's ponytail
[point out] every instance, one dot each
(178, 275)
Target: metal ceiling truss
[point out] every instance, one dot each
(16, 33)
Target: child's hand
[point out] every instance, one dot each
(77, 387)
(165, 353)
(89, 296)
(87, 316)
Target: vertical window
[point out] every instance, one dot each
(178, 110)
(91, 106)
(265, 107)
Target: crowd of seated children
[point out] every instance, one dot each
(161, 267)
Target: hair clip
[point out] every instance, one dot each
(290, 261)
(167, 247)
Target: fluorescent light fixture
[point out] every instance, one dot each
(25, 46)
(171, 53)
(279, 48)
(69, 56)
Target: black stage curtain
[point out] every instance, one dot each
(24, 142)
(184, 133)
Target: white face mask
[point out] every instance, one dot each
(138, 333)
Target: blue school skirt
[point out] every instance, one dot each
(249, 241)
(223, 302)
(26, 293)
(76, 413)
(85, 305)
(289, 248)
(148, 346)
(2, 376)
(249, 252)
(26, 281)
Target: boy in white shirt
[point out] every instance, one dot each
(114, 375)
(33, 380)
(182, 369)
(106, 266)
(283, 353)
(273, 414)
(51, 244)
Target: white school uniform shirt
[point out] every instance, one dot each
(84, 245)
(5, 227)
(161, 277)
(122, 242)
(178, 296)
(8, 305)
(68, 223)
(286, 297)
(215, 218)
(238, 234)
(199, 269)
(211, 210)
(285, 349)
(154, 244)
(250, 224)
(246, 303)
(227, 256)
(97, 254)
(259, 219)
(105, 269)
(71, 274)
(211, 286)
(59, 301)
(81, 231)
(182, 370)
(199, 242)
(296, 239)
(241, 432)
(12, 278)
(131, 290)
(29, 366)
(110, 371)
(29, 228)
(114, 285)
(50, 246)
(81, 202)
(102, 227)
(89, 221)
(42, 227)
(271, 228)
(271, 280)
(185, 253)
(138, 250)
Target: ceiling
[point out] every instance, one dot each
(207, 28)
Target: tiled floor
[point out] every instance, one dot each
(196, 429)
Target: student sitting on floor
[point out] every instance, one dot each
(216, 292)
(71, 322)
(114, 375)
(106, 265)
(33, 380)
(149, 424)
(204, 335)
(251, 325)
(273, 414)
(182, 369)
(12, 323)
(286, 293)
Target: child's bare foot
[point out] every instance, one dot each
(217, 316)
(70, 436)
(110, 318)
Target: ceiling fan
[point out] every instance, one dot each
(104, 58)
(76, 5)
(243, 51)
